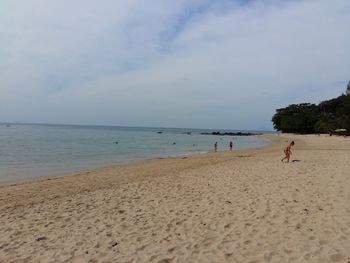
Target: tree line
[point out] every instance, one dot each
(325, 117)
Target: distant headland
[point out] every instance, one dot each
(329, 116)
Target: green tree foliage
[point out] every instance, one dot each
(298, 118)
(325, 117)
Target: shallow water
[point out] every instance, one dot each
(28, 150)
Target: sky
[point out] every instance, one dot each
(225, 64)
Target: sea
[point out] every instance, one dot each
(33, 150)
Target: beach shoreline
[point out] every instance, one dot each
(240, 206)
(30, 151)
(53, 175)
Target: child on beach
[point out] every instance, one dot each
(216, 146)
(288, 151)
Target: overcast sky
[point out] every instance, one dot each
(165, 63)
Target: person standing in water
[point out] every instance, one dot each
(216, 146)
(231, 145)
(288, 151)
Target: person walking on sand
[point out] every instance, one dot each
(231, 145)
(288, 151)
(216, 146)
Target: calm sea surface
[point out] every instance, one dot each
(28, 151)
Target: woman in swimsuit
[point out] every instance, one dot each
(288, 151)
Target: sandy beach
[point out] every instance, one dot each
(240, 206)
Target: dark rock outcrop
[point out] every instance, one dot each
(230, 133)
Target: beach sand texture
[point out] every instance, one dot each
(243, 206)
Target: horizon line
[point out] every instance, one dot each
(124, 126)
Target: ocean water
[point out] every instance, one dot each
(32, 150)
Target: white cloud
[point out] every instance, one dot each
(169, 63)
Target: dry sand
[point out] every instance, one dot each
(242, 206)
